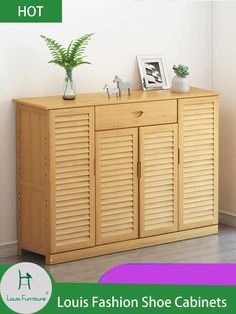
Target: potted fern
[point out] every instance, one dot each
(180, 82)
(68, 58)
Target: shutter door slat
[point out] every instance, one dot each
(198, 157)
(116, 185)
(73, 155)
(158, 183)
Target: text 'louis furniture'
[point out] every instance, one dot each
(98, 175)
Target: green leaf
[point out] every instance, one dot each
(77, 47)
(181, 70)
(56, 49)
(72, 56)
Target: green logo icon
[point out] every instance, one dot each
(24, 280)
(25, 288)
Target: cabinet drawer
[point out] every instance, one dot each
(136, 114)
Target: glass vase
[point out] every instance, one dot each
(69, 92)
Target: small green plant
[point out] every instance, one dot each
(68, 58)
(71, 57)
(181, 70)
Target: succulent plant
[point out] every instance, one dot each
(181, 70)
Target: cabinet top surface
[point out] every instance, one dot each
(96, 99)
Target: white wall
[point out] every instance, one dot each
(224, 81)
(124, 29)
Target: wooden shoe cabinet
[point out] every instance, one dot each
(96, 176)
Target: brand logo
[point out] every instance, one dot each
(26, 288)
(27, 277)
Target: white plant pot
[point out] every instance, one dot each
(180, 84)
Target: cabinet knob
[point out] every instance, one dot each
(138, 114)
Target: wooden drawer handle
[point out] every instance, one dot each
(138, 114)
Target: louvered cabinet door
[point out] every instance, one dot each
(198, 171)
(116, 185)
(72, 172)
(158, 153)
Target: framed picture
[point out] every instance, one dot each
(153, 72)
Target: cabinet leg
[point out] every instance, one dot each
(19, 250)
(48, 260)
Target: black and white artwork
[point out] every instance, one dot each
(152, 72)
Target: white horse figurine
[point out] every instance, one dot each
(122, 86)
(111, 90)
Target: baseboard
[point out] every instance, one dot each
(227, 218)
(8, 249)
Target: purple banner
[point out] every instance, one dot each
(181, 274)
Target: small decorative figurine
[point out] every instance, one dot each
(122, 86)
(111, 90)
